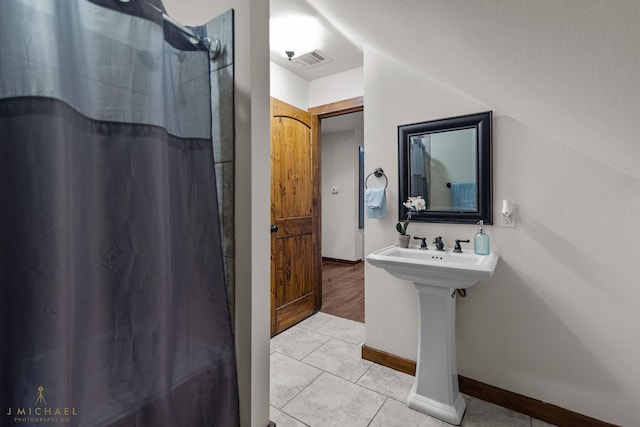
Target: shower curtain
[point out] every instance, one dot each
(113, 306)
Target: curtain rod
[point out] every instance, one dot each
(212, 43)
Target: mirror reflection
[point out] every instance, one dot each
(445, 169)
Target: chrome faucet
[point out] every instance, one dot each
(439, 244)
(423, 244)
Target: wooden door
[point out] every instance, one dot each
(295, 217)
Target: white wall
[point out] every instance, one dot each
(337, 87)
(558, 322)
(252, 165)
(294, 90)
(289, 87)
(341, 238)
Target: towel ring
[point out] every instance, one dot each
(378, 172)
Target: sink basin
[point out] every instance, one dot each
(436, 268)
(436, 275)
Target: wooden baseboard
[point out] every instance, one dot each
(526, 405)
(389, 360)
(341, 261)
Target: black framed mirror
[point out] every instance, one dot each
(444, 170)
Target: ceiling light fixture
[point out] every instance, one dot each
(294, 35)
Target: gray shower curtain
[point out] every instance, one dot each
(113, 306)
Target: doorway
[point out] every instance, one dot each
(341, 140)
(296, 208)
(295, 217)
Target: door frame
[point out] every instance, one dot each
(346, 106)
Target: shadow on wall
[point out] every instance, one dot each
(523, 341)
(588, 268)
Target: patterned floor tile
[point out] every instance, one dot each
(344, 329)
(330, 401)
(398, 414)
(340, 358)
(288, 378)
(388, 382)
(297, 342)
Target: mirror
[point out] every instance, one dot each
(445, 170)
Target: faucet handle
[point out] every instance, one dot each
(423, 244)
(457, 248)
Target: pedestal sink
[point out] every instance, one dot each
(436, 275)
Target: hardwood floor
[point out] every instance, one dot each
(343, 289)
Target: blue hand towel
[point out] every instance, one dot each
(463, 196)
(375, 201)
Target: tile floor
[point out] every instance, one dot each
(318, 378)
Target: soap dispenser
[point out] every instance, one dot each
(481, 241)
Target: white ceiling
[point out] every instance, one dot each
(342, 53)
(567, 68)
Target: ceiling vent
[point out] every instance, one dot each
(311, 59)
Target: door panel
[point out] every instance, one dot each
(295, 254)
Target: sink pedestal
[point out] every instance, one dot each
(435, 391)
